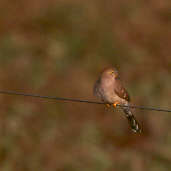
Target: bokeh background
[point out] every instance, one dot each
(58, 48)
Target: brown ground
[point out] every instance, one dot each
(58, 48)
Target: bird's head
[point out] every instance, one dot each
(111, 73)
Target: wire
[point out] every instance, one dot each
(80, 101)
(49, 97)
(146, 108)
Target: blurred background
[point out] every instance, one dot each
(58, 48)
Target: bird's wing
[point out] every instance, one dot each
(96, 89)
(121, 91)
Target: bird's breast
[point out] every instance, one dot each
(107, 87)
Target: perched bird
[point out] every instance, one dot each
(110, 90)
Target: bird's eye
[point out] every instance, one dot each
(111, 72)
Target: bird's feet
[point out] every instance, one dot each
(115, 104)
(107, 105)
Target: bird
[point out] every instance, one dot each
(110, 90)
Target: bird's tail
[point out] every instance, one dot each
(131, 120)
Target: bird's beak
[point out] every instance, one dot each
(117, 75)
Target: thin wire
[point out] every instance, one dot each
(81, 101)
(146, 108)
(49, 97)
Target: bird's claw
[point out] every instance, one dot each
(107, 105)
(115, 104)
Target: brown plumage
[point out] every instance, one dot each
(111, 91)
